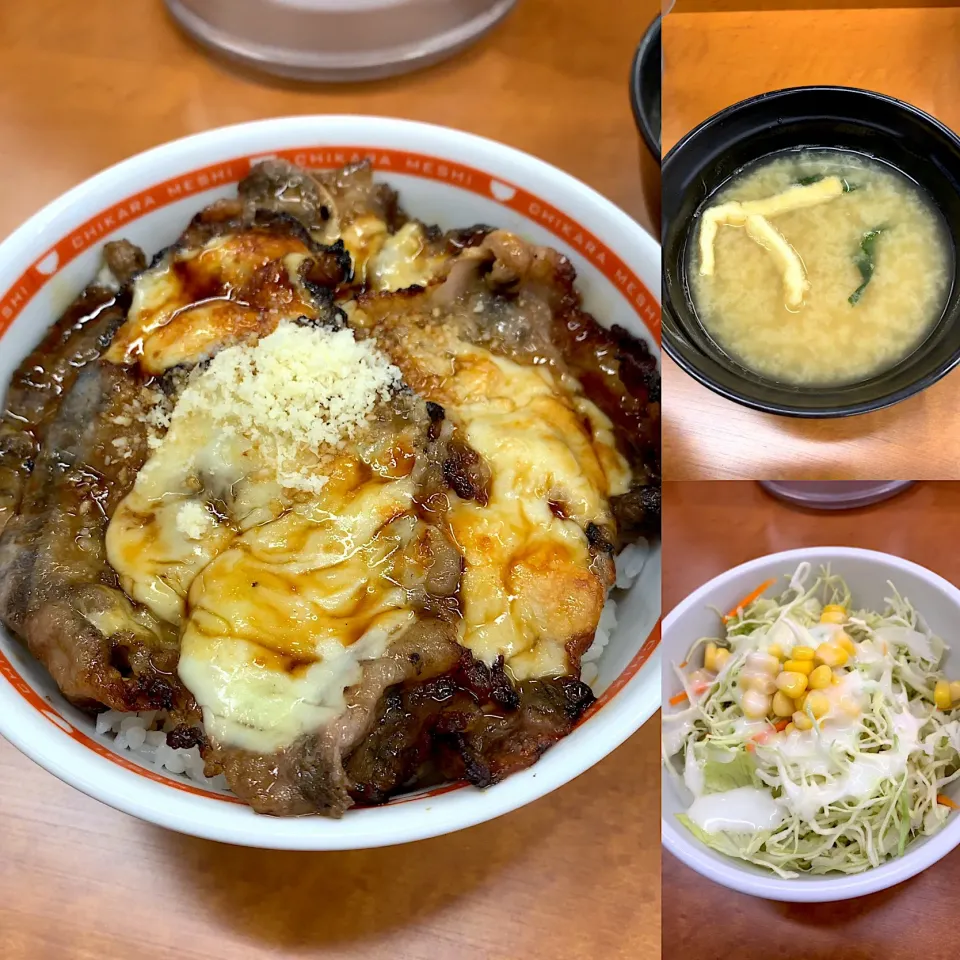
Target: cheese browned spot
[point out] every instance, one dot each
(529, 585)
(194, 289)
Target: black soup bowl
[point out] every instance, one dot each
(645, 84)
(816, 117)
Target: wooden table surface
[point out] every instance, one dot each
(708, 528)
(712, 60)
(575, 875)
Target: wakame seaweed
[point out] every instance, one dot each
(865, 261)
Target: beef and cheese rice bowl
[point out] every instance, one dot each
(324, 500)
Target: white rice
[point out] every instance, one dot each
(145, 734)
(629, 564)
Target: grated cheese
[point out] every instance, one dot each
(193, 521)
(296, 395)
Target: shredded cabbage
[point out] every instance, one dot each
(854, 791)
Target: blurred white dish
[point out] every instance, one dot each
(338, 39)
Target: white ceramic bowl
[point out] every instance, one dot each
(867, 573)
(446, 177)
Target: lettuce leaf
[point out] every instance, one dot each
(728, 846)
(719, 777)
(715, 841)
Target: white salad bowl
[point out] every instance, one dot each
(444, 176)
(867, 573)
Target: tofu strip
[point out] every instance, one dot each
(791, 266)
(734, 213)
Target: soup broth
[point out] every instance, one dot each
(844, 274)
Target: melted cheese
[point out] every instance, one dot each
(194, 465)
(390, 261)
(528, 587)
(363, 238)
(296, 393)
(281, 621)
(281, 576)
(191, 281)
(402, 261)
(275, 535)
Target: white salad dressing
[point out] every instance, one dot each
(799, 778)
(743, 810)
(693, 774)
(676, 727)
(860, 778)
(746, 728)
(917, 643)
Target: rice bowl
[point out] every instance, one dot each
(66, 741)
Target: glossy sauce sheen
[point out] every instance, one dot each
(281, 598)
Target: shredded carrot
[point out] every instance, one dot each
(684, 664)
(947, 802)
(748, 599)
(698, 688)
(764, 735)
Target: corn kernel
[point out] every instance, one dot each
(955, 690)
(941, 695)
(783, 706)
(762, 663)
(817, 704)
(832, 616)
(790, 727)
(821, 678)
(799, 666)
(802, 722)
(832, 654)
(792, 683)
(802, 653)
(775, 650)
(800, 702)
(835, 679)
(709, 652)
(845, 642)
(720, 659)
(834, 608)
(761, 682)
(755, 705)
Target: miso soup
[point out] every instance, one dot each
(819, 267)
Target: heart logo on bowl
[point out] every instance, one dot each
(48, 265)
(502, 191)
